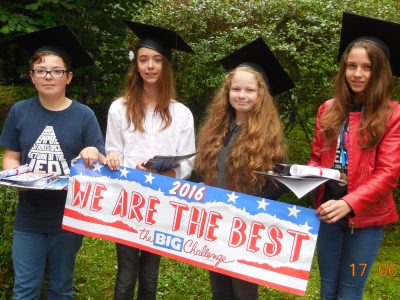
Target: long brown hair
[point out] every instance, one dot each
(377, 109)
(258, 146)
(135, 108)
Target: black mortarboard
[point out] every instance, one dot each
(60, 40)
(258, 56)
(160, 39)
(384, 34)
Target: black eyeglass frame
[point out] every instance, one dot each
(51, 72)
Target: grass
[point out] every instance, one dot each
(96, 269)
(96, 264)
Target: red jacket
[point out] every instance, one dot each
(373, 174)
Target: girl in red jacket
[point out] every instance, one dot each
(358, 133)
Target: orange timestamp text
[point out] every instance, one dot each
(384, 269)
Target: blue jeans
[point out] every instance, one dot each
(345, 259)
(134, 263)
(33, 252)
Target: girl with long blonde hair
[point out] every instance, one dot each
(242, 133)
(257, 146)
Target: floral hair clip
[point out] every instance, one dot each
(131, 55)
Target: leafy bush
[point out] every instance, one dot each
(304, 35)
(8, 96)
(8, 202)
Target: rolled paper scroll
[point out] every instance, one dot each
(11, 172)
(301, 170)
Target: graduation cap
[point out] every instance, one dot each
(160, 39)
(60, 40)
(258, 56)
(384, 34)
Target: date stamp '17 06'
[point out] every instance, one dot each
(384, 269)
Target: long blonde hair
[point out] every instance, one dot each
(377, 109)
(258, 146)
(135, 108)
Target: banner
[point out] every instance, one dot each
(259, 240)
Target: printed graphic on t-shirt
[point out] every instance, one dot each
(46, 154)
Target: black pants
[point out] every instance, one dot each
(224, 287)
(134, 263)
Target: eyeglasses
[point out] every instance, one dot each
(53, 73)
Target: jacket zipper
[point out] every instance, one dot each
(352, 227)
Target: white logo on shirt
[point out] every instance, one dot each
(46, 154)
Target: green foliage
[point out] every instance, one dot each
(7, 204)
(98, 24)
(304, 35)
(8, 94)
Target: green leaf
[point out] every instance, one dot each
(5, 29)
(33, 6)
(3, 18)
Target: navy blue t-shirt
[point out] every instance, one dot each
(48, 141)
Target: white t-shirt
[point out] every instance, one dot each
(135, 147)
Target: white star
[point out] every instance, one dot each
(97, 167)
(306, 227)
(262, 204)
(149, 178)
(232, 197)
(124, 172)
(293, 211)
(244, 209)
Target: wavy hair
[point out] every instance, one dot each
(377, 109)
(133, 95)
(258, 146)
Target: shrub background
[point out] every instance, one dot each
(303, 34)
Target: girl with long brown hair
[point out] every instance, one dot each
(242, 133)
(358, 133)
(143, 123)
